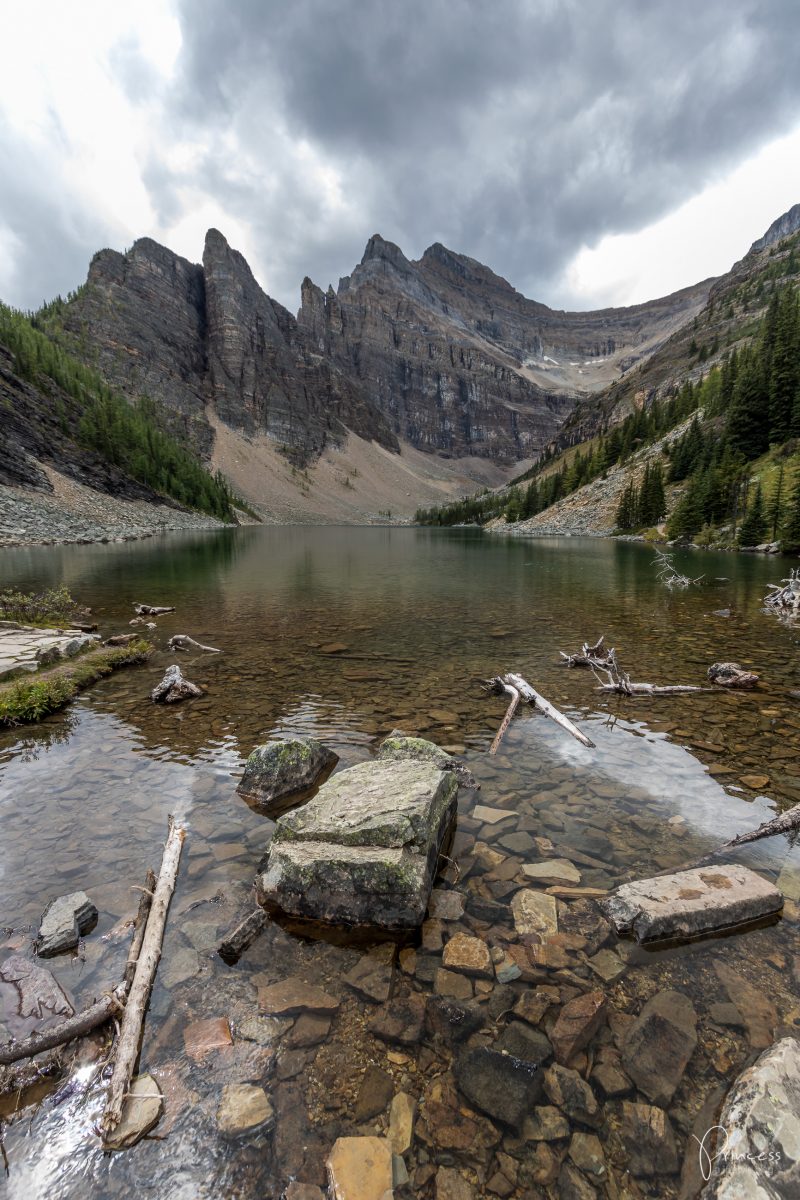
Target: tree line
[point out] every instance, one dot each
(132, 436)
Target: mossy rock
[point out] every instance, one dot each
(279, 773)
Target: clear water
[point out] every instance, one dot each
(425, 615)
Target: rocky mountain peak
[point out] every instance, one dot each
(783, 227)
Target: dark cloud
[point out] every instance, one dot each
(514, 132)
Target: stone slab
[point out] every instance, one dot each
(691, 903)
(365, 850)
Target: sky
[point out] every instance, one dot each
(594, 152)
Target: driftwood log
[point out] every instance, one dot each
(174, 687)
(731, 675)
(508, 684)
(784, 598)
(787, 822)
(127, 1048)
(182, 641)
(669, 575)
(150, 610)
(620, 681)
(121, 639)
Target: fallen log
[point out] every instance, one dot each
(784, 599)
(121, 639)
(731, 675)
(787, 822)
(182, 641)
(109, 1005)
(127, 1047)
(512, 708)
(145, 901)
(588, 656)
(234, 944)
(174, 687)
(150, 610)
(502, 685)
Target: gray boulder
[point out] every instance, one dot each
(280, 772)
(63, 922)
(364, 851)
(691, 903)
(757, 1151)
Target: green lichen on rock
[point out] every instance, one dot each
(279, 771)
(399, 747)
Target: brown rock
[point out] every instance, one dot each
(308, 1030)
(202, 1036)
(649, 1140)
(449, 983)
(360, 1168)
(293, 995)
(374, 1094)
(572, 1095)
(401, 1122)
(469, 955)
(243, 1106)
(758, 1012)
(451, 1185)
(577, 1024)
(402, 1020)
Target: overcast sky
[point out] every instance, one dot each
(592, 151)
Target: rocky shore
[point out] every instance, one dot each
(74, 513)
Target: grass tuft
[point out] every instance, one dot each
(27, 700)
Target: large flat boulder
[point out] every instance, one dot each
(691, 903)
(757, 1150)
(364, 851)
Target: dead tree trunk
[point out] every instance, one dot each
(82, 1023)
(150, 610)
(127, 1048)
(504, 685)
(234, 944)
(787, 822)
(174, 687)
(620, 681)
(512, 708)
(182, 641)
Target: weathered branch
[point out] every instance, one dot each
(182, 641)
(787, 822)
(76, 1026)
(589, 656)
(500, 685)
(127, 1048)
(174, 687)
(620, 681)
(150, 610)
(512, 708)
(145, 900)
(669, 575)
(784, 599)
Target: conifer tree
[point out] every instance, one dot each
(790, 530)
(753, 529)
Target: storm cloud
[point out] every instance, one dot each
(514, 132)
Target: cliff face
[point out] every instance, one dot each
(440, 353)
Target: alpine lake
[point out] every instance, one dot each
(420, 617)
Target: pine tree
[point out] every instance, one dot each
(688, 517)
(790, 530)
(775, 506)
(627, 514)
(754, 526)
(748, 419)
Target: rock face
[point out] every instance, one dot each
(364, 850)
(759, 1151)
(63, 923)
(279, 771)
(691, 903)
(440, 353)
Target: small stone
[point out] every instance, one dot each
(443, 716)
(611, 1080)
(402, 1020)
(755, 782)
(309, 1030)
(553, 871)
(608, 965)
(569, 1092)
(532, 1005)
(759, 1013)
(333, 648)
(303, 1191)
(401, 1122)
(264, 1031)
(446, 906)
(572, 1185)
(371, 979)
(649, 1140)
(452, 1020)
(183, 964)
(451, 1185)
(64, 922)
(577, 1024)
(530, 1045)
(498, 1084)
(141, 1111)
(360, 1168)
(293, 995)
(400, 1175)
(243, 1106)
(507, 970)
(586, 1152)
(469, 955)
(788, 881)
(491, 816)
(374, 1094)
(546, 1124)
(726, 1014)
(451, 983)
(517, 843)
(534, 912)
(202, 1036)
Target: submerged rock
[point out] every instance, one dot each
(63, 923)
(659, 1044)
(365, 850)
(691, 903)
(279, 770)
(501, 1085)
(243, 1106)
(360, 1168)
(759, 1154)
(141, 1111)
(649, 1140)
(174, 687)
(577, 1024)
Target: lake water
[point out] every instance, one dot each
(425, 615)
